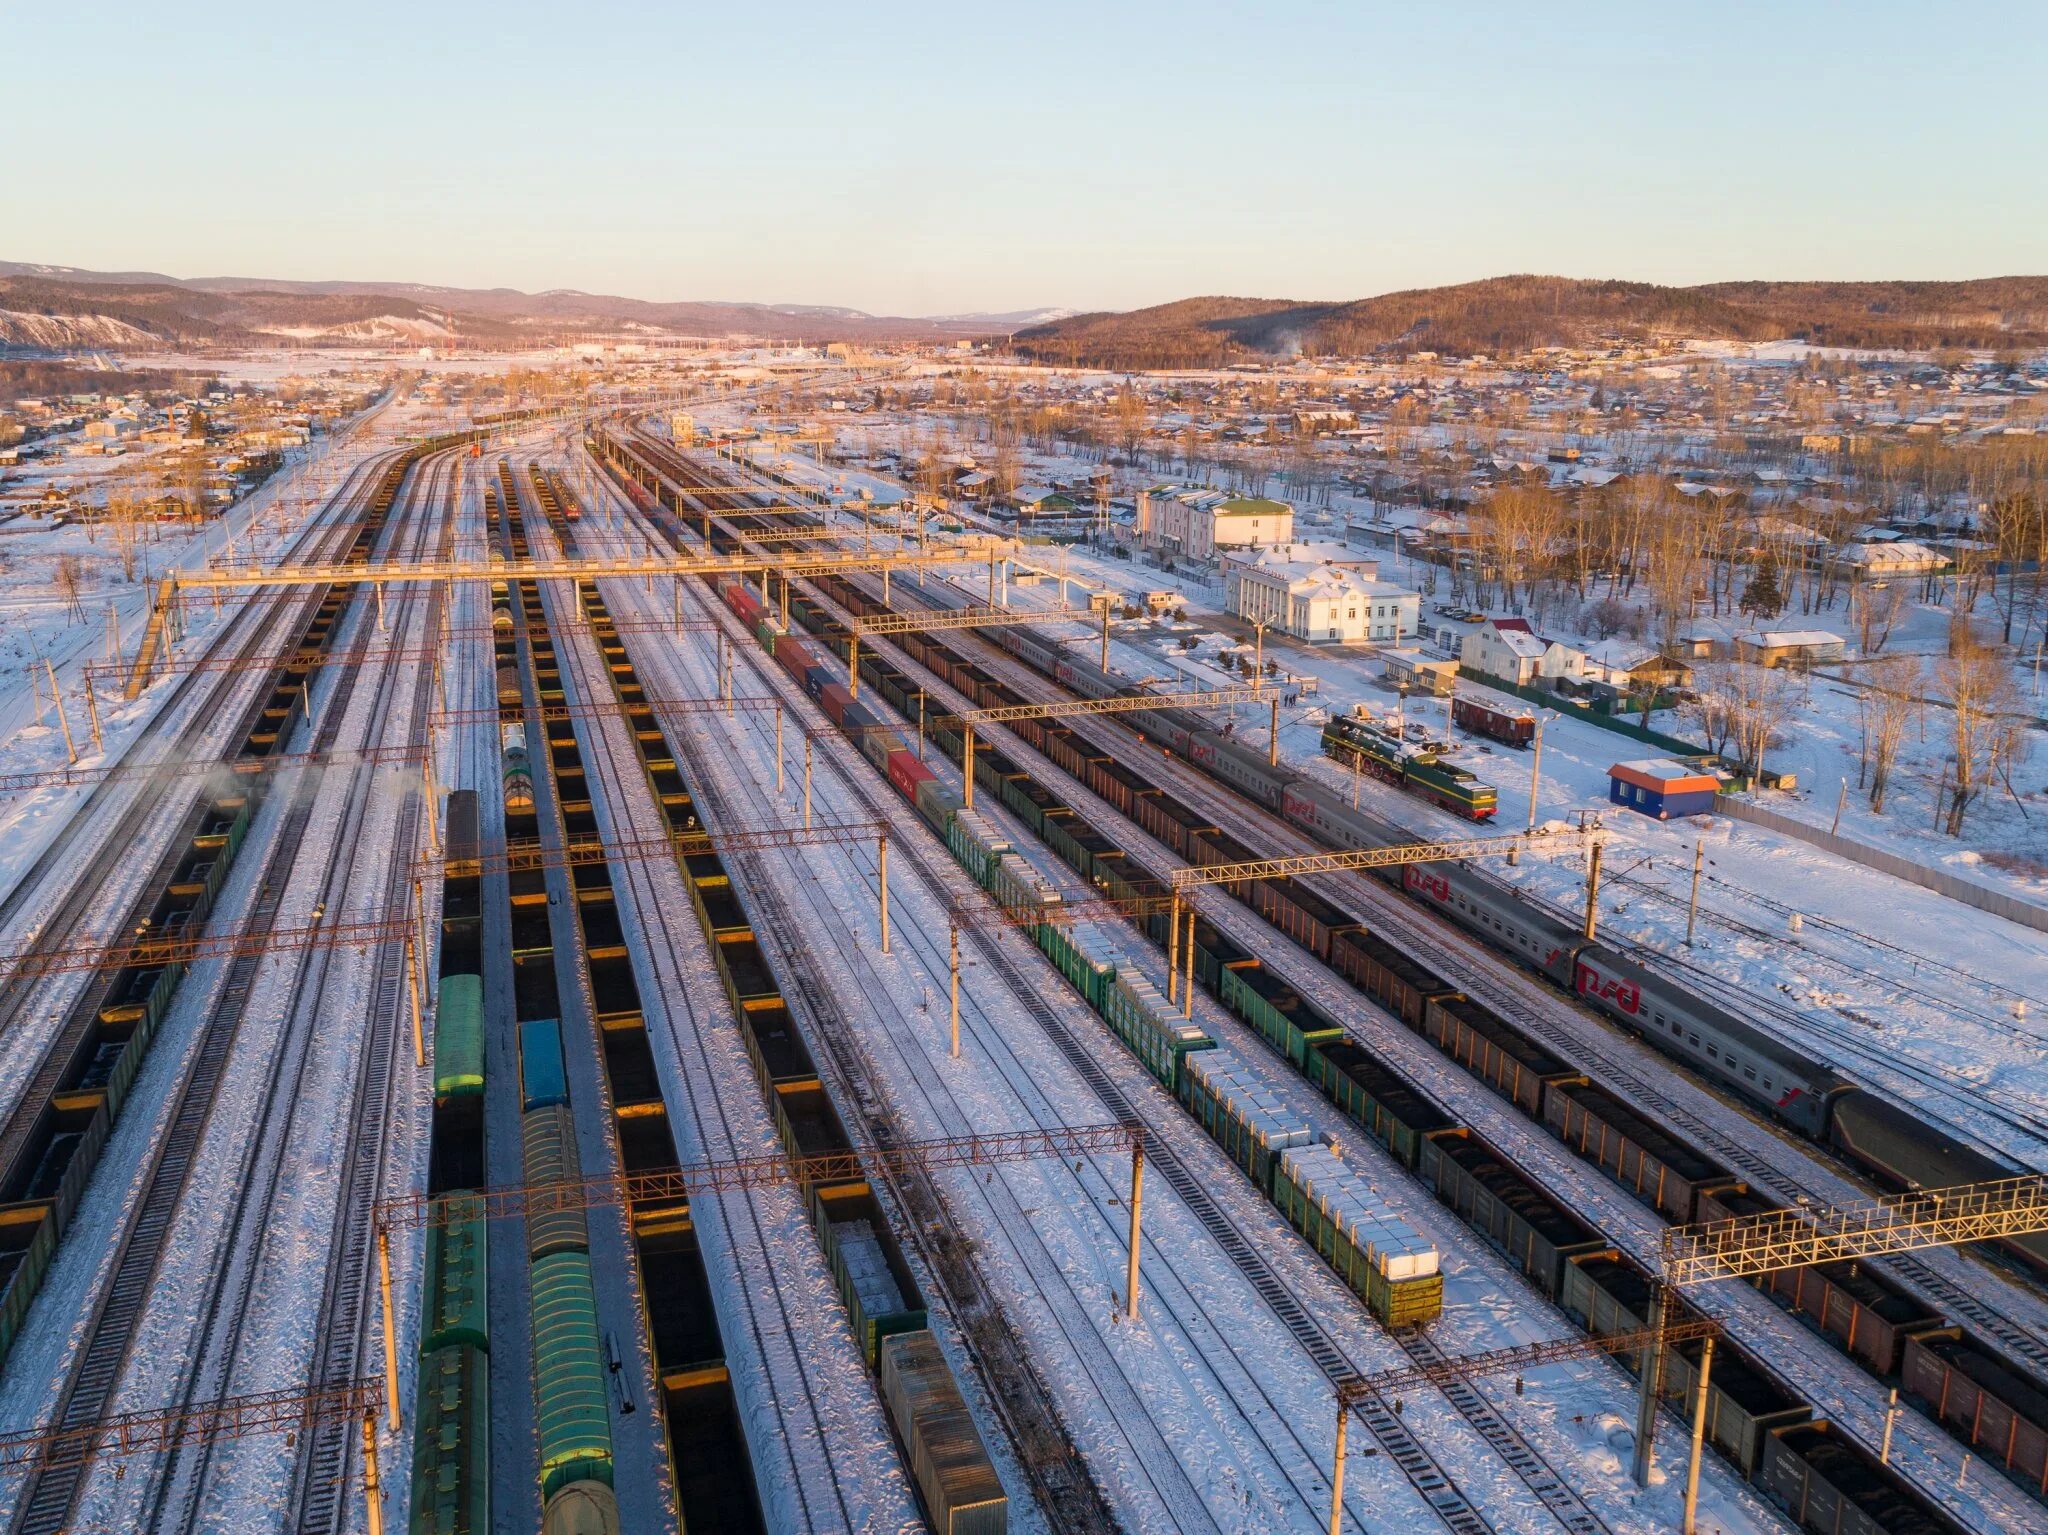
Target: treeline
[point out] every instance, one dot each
(1505, 315)
(33, 380)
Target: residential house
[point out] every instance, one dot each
(1627, 665)
(1509, 649)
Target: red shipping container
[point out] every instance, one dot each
(797, 656)
(741, 599)
(836, 701)
(906, 772)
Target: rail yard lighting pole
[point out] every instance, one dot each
(1651, 1378)
(1173, 951)
(778, 748)
(1536, 770)
(953, 985)
(967, 768)
(1137, 1204)
(1187, 975)
(1273, 734)
(807, 783)
(412, 998)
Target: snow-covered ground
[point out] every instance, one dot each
(1575, 1420)
(1829, 952)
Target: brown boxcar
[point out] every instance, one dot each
(1300, 913)
(1991, 1407)
(1403, 987)
(1832, 1487)
(1664, 1173)
(1536, 1233)
(1866, 1315)
(1516, 1069)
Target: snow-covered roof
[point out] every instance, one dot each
(1787, 639)
(1621, 655)
(1663, 769)
(1521, 642)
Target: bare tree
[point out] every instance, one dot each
(1989, 726)
(1893, 698)
(1742, 707)
(1875, 606)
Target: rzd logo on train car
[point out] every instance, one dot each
(1427, 882)
(1064, 672)
(1203, 752)
(1295, 808)
(1625, 995)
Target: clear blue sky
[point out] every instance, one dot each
(909, 158)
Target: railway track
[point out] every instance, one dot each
(117, 1313)
(624, 802)
(109, 820)
(1430, 1480)
(320, 1481)
(1488, 980)
(1550, 1489)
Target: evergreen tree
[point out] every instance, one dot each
(1761, 598)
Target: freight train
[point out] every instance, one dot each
(451, 1480)
(1386, 1263)
(1769, 1434)
(1787, 1083)
(948, 1460)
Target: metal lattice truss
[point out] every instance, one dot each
(1452, 1369)
(1749, 1245)
(753, 703)
(520, 855)
(378, 655)
(1127, 703)
(180, 949)
(394, 572)
(164, 1428)
(678, 1185)
(1347, 858)
(921, 620)
(121, 772)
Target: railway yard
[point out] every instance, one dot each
(588, 985)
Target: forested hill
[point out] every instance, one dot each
(1512, 314)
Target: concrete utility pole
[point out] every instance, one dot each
(953, 985)
(390, 1325)
(1137, 1200)
(1699, 1435)
(1593, 891)
(1692, 909)
(1337, 1469)
(1535, 772)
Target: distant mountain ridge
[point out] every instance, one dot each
(45, 305)
(1514, 314)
